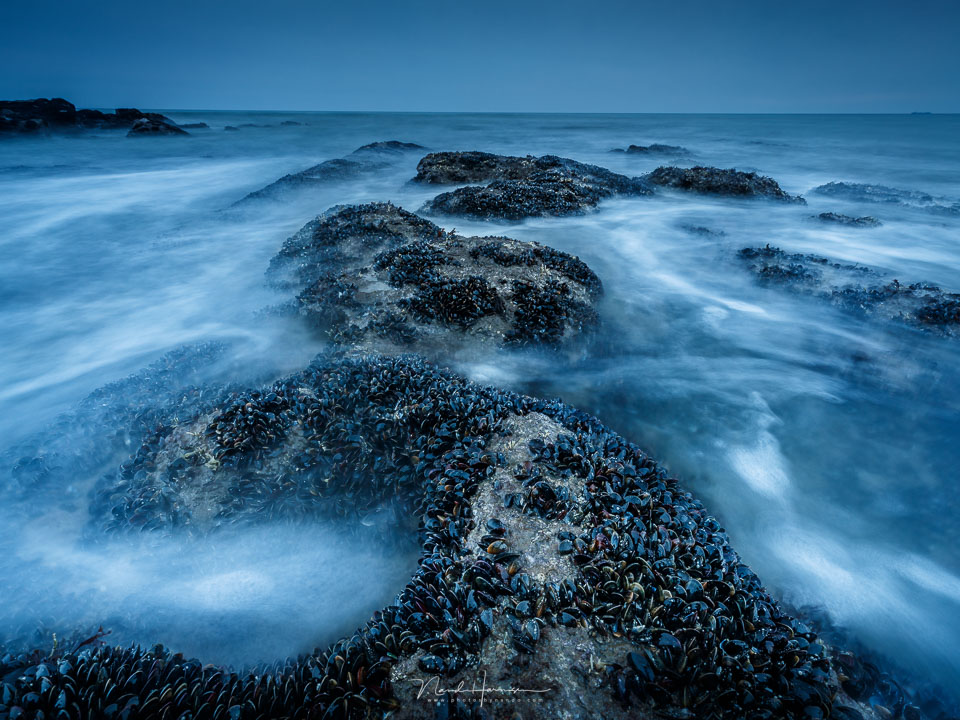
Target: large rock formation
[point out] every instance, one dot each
(366, 159)
(376, 277)
(857, 288)
(715, 181)
(521, 187)
(557, 558)
(58, 115)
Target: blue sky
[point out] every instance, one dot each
(496, 55)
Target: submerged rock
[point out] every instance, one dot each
(154, 126)
(857, 288)
(377, 277)
(653, 149)
(861, 192)
(521, 187)
(195, 126)
(555, 557)
(58, 115)
(365, 159)
(715, 181)
(865, 221)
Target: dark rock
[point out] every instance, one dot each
(653, 149)
(614, 619)
(715, 181)
(231, 128)
(865, 221)
(290, 123)
(58, 115)
(919, 304)
(154, 127)
(521, 186)
(377, 278)
(195, 126)
(861, 192)
(365, 159)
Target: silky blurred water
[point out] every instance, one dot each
(828, 446)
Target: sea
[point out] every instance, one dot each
(826, 443)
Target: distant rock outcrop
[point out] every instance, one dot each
(521, 187)
(865, 192)
(368, 158)
(839, 219)
(59, 115)
(154, 127)
(653, 149)
(717, 181)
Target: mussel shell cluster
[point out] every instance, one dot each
(642, 561)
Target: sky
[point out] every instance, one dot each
(753, 56)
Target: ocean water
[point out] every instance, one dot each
(827, 445)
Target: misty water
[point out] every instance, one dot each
(827, 445)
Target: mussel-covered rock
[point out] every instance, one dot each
(376, 277)
(366, 159)
(520, 187)
(840, 219)
(857, 288)
(154, 127)
(58, 115)
(650, 614)
(717, 181)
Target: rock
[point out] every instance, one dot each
(714, 181)
(378, 278)
(631, 623)
(365, 159)
(58, 115)
(861, 192)
(653, 149)
(521, 186)
(154, 127)
(290, 123)
(920, 304)
(865, 221)
(231, 128)
(195, 126)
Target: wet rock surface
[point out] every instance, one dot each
(363, 160)
(58, 115)
(857, 288)
(717, 181)
(653, 149)
(146, 127)
(520, 187)
(865, 192)
(839, 219)
(555, 556)
(378, 278)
